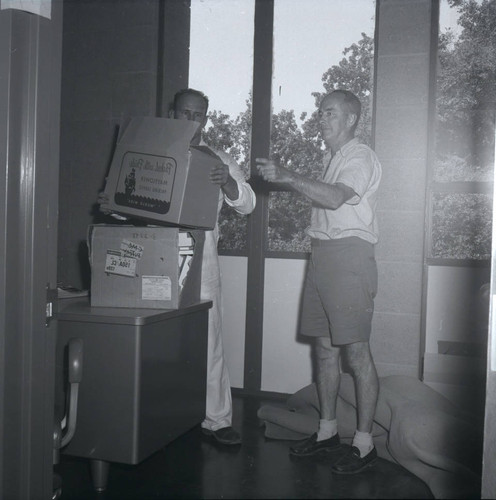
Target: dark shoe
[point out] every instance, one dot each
(351, 462)
(311, 446)
(226, 435)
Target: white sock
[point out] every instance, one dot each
(327, 429)
(363, 441)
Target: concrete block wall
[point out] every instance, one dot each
(403, 52)
(109, 70)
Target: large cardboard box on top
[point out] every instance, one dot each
(141, 267)
(157, 176)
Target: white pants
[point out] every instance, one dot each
(219, 402)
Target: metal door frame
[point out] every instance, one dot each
(30, 69)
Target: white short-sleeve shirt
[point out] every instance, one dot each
(356, 166)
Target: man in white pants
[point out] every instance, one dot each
(190, 104)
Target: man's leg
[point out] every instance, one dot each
(327, 381)
(218, 419)
(315, 323)
(327, 376)
(363, 453)
(364, 374)
(219, 400)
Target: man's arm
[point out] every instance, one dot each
(238, 194)
(230, 189)
(330, 196)
(220, 175)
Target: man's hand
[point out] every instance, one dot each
(219, 174)
(103, 201)
(272, 172)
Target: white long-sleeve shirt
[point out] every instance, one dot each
(245, 204)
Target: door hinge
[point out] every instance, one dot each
(51, 304)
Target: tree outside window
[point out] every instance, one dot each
(461, 187)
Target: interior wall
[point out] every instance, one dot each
(234, 276)
(286, 360)
(454, 312)
(456, 334)
(112, 67)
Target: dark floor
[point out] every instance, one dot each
(194, 467)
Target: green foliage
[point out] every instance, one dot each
(293, 147)
(467, 84)
(231, 136)
(461, 226)
(355, 72)
(232, 229)
(452, 168)
(466, 97)
(289, 215)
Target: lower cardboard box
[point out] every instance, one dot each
(144, 267)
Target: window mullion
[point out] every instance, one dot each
(258, 220)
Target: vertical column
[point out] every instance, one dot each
(257, 222)
(173, 51)
(406, 37)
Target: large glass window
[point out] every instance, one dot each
(319, 46)
(461, 182)
(221, 66)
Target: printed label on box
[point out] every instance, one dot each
(131, 249)
(115, 263)
(146, 182)
(156, 288)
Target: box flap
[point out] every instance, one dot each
(206, 150)
(151, 133)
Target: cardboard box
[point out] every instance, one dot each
(155, 174)
(144, 267)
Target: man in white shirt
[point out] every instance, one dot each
(341, 281)
(190, 104)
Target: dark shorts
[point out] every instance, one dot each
(339, 290)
